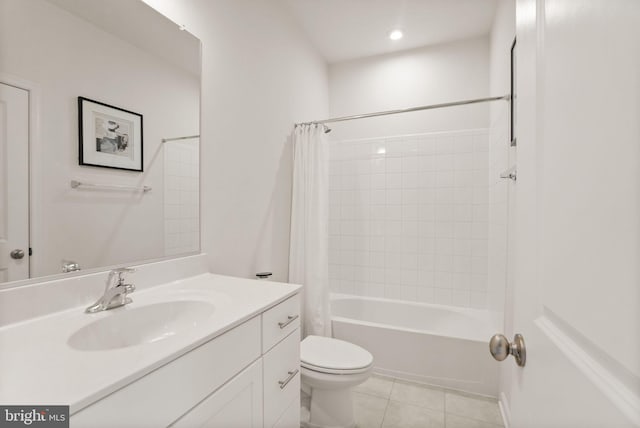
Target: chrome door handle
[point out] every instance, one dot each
(290, 319)
(17, 254)
(291, 374)
(500, 348)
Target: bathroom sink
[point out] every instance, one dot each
(131, 326)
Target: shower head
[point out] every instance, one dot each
(326, 129)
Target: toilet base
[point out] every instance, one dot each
(331, 409)
(329, 369)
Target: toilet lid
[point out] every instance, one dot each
(333, 354)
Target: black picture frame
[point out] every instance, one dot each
(512, 99)
(114, 149)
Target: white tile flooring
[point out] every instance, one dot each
(387, 403)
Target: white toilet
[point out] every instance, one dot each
(330, 368)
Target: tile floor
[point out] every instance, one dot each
(387, 403)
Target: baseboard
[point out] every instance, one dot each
(450, 384)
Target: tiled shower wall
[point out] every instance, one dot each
(181, 197)
(409, 217)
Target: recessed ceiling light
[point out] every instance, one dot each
(395, 35)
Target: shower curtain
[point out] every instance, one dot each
(308, 249)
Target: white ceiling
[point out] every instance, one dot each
(348, 29)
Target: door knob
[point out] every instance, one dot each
(17, 254)
(500, 348)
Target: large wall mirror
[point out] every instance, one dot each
(99, 136)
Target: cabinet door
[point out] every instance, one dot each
(291, 417)
(238, 404)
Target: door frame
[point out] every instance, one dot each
(34, 145)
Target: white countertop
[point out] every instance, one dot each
(37, 366)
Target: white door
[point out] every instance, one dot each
(14, 191)
(577, 263)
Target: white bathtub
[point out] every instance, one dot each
(434, 344)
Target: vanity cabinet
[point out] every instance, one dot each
(236, 404)
(280, 321)
(281, 378)
(281, 361)
(247, 377)
(291, 417)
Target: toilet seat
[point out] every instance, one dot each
(333, 356)
(333, 371)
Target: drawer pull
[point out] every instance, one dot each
(290, 319)
(291, 374)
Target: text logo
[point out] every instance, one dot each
(34, 416)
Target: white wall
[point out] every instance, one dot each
(501, 157)
(260, 75)
(429, 75)
(67, 57)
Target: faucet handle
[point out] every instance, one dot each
(119, 272)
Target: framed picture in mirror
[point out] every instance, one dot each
(512, 100)
(110, 137)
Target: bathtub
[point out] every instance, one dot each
(434, 344)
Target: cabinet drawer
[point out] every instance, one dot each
(281, 378)
(165, 394)
(279, 321)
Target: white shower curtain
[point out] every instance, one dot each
(309, 246)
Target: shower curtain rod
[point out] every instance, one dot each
(406, 110)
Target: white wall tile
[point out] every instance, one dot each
(461, 281)
(426, 163)
(409, 217)
(427, 145)
(393, 165)
(442, 296)
(426, 278)
(181, 209)
(477, 300)
(426, 260)
(393, 180)
(460, 298)
(425, 294)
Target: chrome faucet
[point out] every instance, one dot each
(116, 295)
(69, 266)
